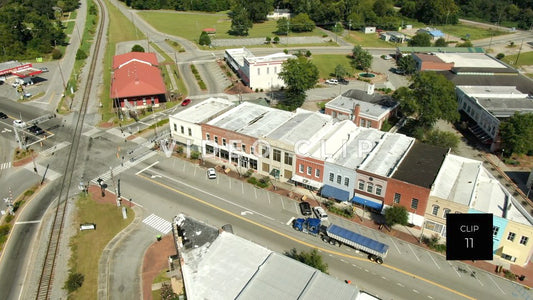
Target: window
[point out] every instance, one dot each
(446, 211)
(370, 188)
(288, 159)
(339, 179)
(253, 164)
(252, 150)
(346, 181)
(508, 257)
(301, 168)
(234, 145)
(175, 127)
(361, 185)
(277, 155)
(362, 123)
(397, 198)
(207, 136)
(216, 139)
(265, 151)
(379, 189)
(331, 177)
(414, 203)
(309, 170)
(317, 172)
(190, 131)
(243, 147)
(495, 230)
(511, 236)
(182, 130)
(223, 142)
(523, 240)
(435, 210)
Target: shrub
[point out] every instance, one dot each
(195, 154)
(433, 243)
(80, 54)
(500, 56)
(9, 218)
(179, 149)
(276, 39)
(509, 275)
(137, 48)
(248, 173)
(308, 53)
(56, 54)
(74, 282)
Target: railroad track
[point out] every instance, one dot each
(47, 274)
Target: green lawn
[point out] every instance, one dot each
(326, 63)
(190, 25)
(525, 59)
(109, 222)
(476, 33)
(367, 40)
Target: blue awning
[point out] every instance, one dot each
(333, 192)
(375, 204)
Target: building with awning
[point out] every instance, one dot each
(329, 191)
(368, 202)
(18, 69)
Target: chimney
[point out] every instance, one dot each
(356, 111)
(370, 89)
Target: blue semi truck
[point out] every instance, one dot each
(336, 235)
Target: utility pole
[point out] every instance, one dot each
(519, 50)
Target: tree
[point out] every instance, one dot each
(240, 22)
(407, 64)
(258, 9)
(516, 133)
(465, 44)
(420, 39)
(430, 97)
(204, 39)
(268, 40)
(441, 42)
(437, 11)
(74, 282)
(302, 23)
(80, 54)
(312, 258)
(276, 40)
(137, 48)
(362, 59)
(299, 75)
(443, 139)
(341, 72)
(282, 26)
(396, 215)
(500, 56)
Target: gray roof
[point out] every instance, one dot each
(251, 119)
(301, 126)
(227, 266)
(522, 83)
(371, 104)
(359, 147)
(203, 111)
(505, 107)
(421, 165)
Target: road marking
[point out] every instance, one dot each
(295, 207)
(229, 183)
(28, 222)
(384, 278)
(244, 213)
(366, 270)
(158, 223)
(430, 297)
(490, 276)
(290, 221)
(268, 196)
(147, 168)
(455, 269)
(416, 291)
(268, 228)
(395, 246)
(397, 283)
(475, 275)
(54, 148)
(433, 260)
(255, 192)
(282, 205)
(5, 165)
(242, 187)
(194, 172)
(412, 250)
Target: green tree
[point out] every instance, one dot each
(430, 97)
(383, 8)
(465, 44)
(517, 133)
(258, 9)
(268, 40)
(312, 258)
(302, 23)
(441, 42)
(500, 56)
(407, 64)
(204, 39)
(443, 139)
(282, 26)
(80, 54)
(74, 282)
(341, 72)
(240, 21)
(396, 215)
(299, 75)
(137, 48)
(437, 12)
(420, 39)
(361, 59)
(276, 40)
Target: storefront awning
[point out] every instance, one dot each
(329, 191)
(306, 181)
(373, 203)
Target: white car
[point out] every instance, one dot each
(19, 123)
(320, 213)
(332, 81)
(211, 173)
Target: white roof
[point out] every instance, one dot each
(331, 140)
(302, 126)
(203, 111)
(387, 155)
(359, 146)
(472, 60)
(492, 91)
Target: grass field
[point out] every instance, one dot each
(367, 40)
(476, 33)
(84, 259)
(326, 64)
(525, 59)
(190, 25)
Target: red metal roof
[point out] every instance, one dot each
(209, 30)
(137, 79)
(122, 59)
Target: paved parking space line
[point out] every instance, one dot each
(290, 221)
(242, 187)
(413, 250)
(255, 192)
(433, 260)
(490, 276)
(455, 269)
(268, 196)
(395, 246)
(282, 205)
(295, 207)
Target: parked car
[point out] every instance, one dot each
(211, 173)
(305, 208)
(320, 213)
(44, 69)
(343, 81)
(27, 95)
(19, 123)
(35, 130)
(332, 81)
(3, 115)
(386, 57)
(186, 102)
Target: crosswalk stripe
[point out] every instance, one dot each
(158, 223)
(53, 149)
(127, 164)
(5, 165)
